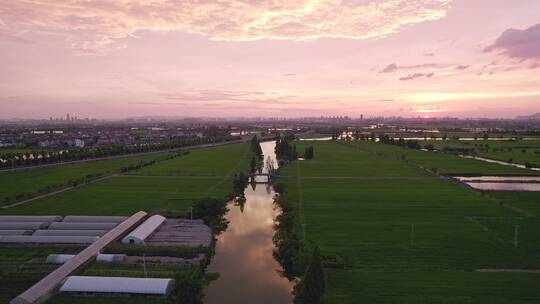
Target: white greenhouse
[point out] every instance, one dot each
(102, 257)
(59, 258)
(36, 239)
(141, 233)
(70, 232)
(94, 219)
(117, 285)
(23, 225)
(13, 232)
(24, 218)
(82, 226)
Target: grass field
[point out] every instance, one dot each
(407, 236)
(124, 195)
(518, 151)
(218, 161)
(32, 180)
(528, 201)
(15, 150)
(444, 164)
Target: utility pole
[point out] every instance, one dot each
(304, 231)
(516, 232)
(144, 264)
(191, 211)
(412, 235)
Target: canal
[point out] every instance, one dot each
(248, 271)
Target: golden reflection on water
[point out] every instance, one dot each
(248, 271)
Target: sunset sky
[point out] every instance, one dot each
(124, 58)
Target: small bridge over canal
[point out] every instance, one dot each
(261, 178)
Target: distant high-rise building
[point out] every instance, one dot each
(67, 116)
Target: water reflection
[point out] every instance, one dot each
(498, 178)
(505, 186)
(493, 161)
(248, 271)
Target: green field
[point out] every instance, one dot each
(407, 236)
(517, 151)
(217, 161)
(32, 180)
(124, 195)
(442, 163)
(15, 150)
(528, 201)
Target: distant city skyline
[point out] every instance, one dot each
(409, 58)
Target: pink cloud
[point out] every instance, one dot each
(519, 44)
(95, 26)
(417, 75)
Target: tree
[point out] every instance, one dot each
(486, 136)
(270, 165)
(189, 286)
(311, 287)
(253, 164)
(308, 153)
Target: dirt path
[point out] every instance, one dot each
(57, 192)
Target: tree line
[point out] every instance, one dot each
(299, 262)
(41, 157)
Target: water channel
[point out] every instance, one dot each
(248, 271)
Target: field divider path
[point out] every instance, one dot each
(180, 176)
(59, 191)
(350, 177)
(243, 158)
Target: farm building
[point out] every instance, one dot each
(24, 218)
(82, 226)
(141, 233)
(94, 219)
(117, 285)
(70, 232)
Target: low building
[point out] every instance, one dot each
(117, 285)
(141, 233)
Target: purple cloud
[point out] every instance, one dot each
(462, 67)
(390, 68)
(520, 44)
(417, 75)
